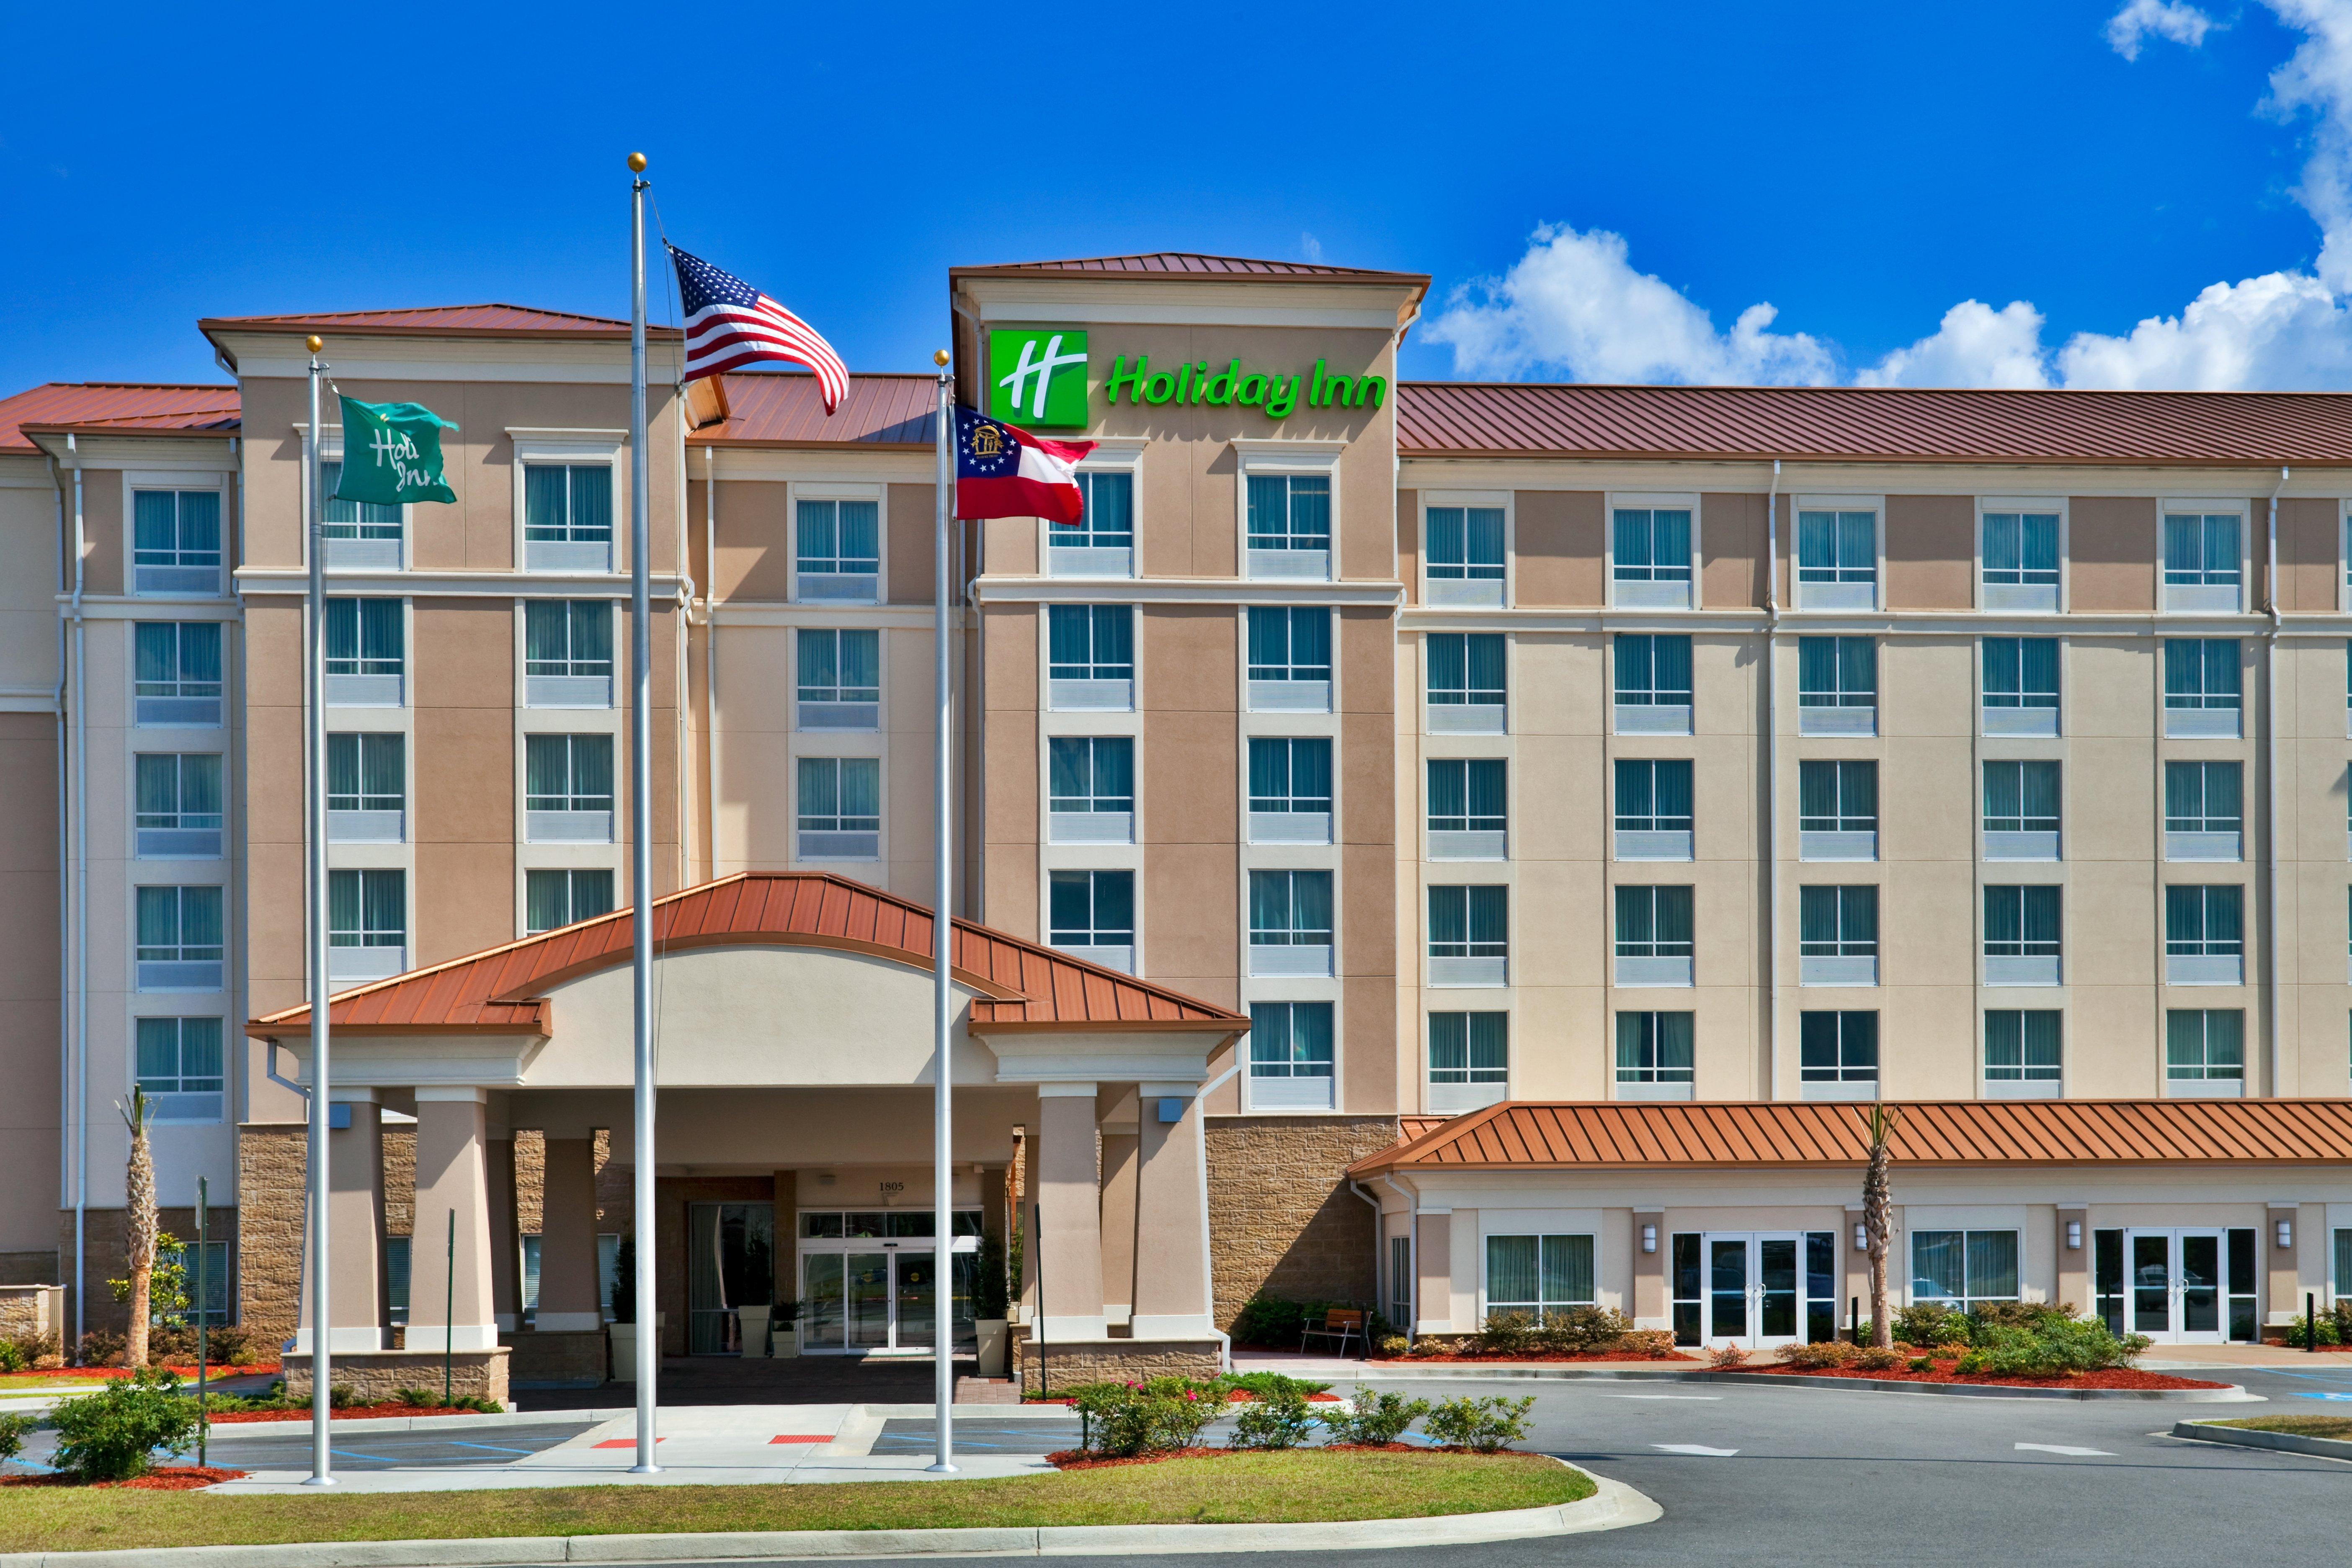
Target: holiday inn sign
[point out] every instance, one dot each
(1039, 375)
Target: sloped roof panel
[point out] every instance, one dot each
(116, 405)
(768, 409)
(1189, 264)
(436, 321)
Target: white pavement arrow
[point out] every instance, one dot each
(2072, 1453)
(1699, 1449)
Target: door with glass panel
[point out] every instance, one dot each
(870, 1280)
(1755, 1288)
(2177, 1289)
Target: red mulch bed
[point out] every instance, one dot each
(1238, 1396)
(349, 1413)
(1533, 1356)
(166, 1478)
(2114, 1377)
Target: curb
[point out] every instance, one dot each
(1613, 1506)
(2278, 1442)
(2230, 1395)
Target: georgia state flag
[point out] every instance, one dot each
(1002, 471)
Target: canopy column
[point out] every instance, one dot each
(1172, 1273)
(569, 1299)
(1069, 1202)
(450, 1281)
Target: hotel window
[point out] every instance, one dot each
(2202, 569)
(1090, 657)
(1464, 561)
(181, 940)
(398, 1258)
(179, 814)
(212, 1275)
(1290, 1056)
(2021, 806)
(178, 675)
(1653, 683)
(568, 789)
(567, 652)
(2021, 686)
(1467, 808)
(839, 678)
(1837, 1048)
(1290, 525)
(2021, 560)
(1469, 1059)
(1466, 682)
(1655, 1048)
(1289, 791)
(1837, 937)
(176, 541)
(1538, 1276)
(1290, 660)
(837, 551)
(1837, 810)
(567, 517)
(2204, 1045)
(1101, 543)
(1091, 915)
(360, 533)
(2204, 935)
(1837, 560)
(1652, 814)
(2204, 811)
(367, 923)
(1469, 935)
(1654, 936)
(1090, 789)
(1963, 1269)
(552, 899)
(2202, 692)
(2023, 1046)
(1837, 686)
(840, 809)
(367, 652)
(181, 1070)
(1290, 923)
(367, 788)
(1650, 556)
(2022, 930)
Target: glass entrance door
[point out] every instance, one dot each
(1727, 1278)
(2178, 1285)
(1755, 1289)
(864, 1291)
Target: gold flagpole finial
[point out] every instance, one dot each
(636, 163)
(314, 343)
(940, 358)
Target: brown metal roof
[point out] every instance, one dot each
(439, 321)
(1526, 1135)
(1188, 264)
(116, 405)
(1846, 424)
(501, 990)
(768, 409)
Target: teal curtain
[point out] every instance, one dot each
(2184, 919)
(1511, 1272)
(1109, 515)
(2038, 548)
(1449, 790)
(1269, 774)
(1636, 921)
(155, 522)
(592, 635)
(385, 907)
(547, 636)
(547, 773)
(1817, 921)
(2037, 792)
(1311, 512)
(820, 793)
(1114, 642)
(201, 1056)
(1069, 907)
(1068, 774)
(1490, 1047)
(1114, 900)
(1269, 644)
(2221, 548)
(1676, 1046)
(2041, 921)
(158, 786)
(1858, 917)
(155, 653)
(2184, 554)
(2004, 921)
(1489, 920)
(1485, 530)
(202, 926)
(1449, 922)
(1857, 545)
(159, 920)
(1070, 639)
(1269, 1039)
(2044, 1033)
(861, 791)
(592, 894)
(343, 909)
(1817, 795)
(818, 535)
(1449, 1048)
(1631, 542)
(1817, 540)
(343, 773)
(544, 514)
(591, 486)
(1269, 512)
(2038, 671)
(861, 548)
(2225, 917)
(1674, 925)
(2223, 671)
(1483, 659)
(1673, 668)
(159, 1055)
(819, 663)
(382, 771)
(1113, 759)
(1817, 671)
(2224, 794)
(1310, 1039)
(1671, 781)
(383, 634)
(1447, 553)
(592, 772)
(1449, 670)
(1311, 774)
(1938, 1265)
(547, 903)
(1566, 1270)
(1858, 671)
(2184, 1043)
(861, 667)
(343, 635)
(2004, 1047)
(2000, 672)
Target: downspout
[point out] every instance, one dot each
(65, 862)
(1413, 1253)
(1771, 845)
(2270, 792)
(81, 917)
(710, 642)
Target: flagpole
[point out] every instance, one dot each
(942, 947)
(641, 824)
(314, 816)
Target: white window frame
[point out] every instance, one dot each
(2019, 602)
(1649, 501)
(2207, 506)
(578, 448)
(803, 710)
(137, 479)
(1264, 457)
(1472, 1093)
(550, 695)
(1291, 1092)
(1482, 592)
(799, 490)
(331, 450)
(1110, 456)
(171, 1105)
(1818, 600)
(1287, 696)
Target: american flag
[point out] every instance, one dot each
(729, 324)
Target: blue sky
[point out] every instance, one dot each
(1864, 170)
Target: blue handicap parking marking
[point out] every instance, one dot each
(2300, 1395)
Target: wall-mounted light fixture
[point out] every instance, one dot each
(2285, 1234)
(2074, 1235)
(1649, 1239)
(1861, 1237)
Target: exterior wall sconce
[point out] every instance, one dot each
(2074, 1235)
(1649, 1239)
(2285, 1234)
(1861, 1237)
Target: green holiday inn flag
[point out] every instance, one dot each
(391, 453)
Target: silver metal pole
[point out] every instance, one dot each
(641, 821)
(314, 825)
(943, 945)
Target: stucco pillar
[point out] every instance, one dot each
(1171, 1271)
(1069, 1230)
(451, 1284)
(1121, 1162)
(1649, 1307)
(1434, 1256)
(506, 1244)
(567, 1239)
(355, 1280)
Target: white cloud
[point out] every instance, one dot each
(2283, 331)
(2182, 24)
(1974, 346)
(1309, 247)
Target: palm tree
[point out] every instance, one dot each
(1878, 1215)
(138, 1222)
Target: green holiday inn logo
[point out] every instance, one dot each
(1037, 375)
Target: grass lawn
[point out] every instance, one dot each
(1304, 1486)
(2338, 1427)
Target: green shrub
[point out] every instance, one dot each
(1929, 1323)
(2016, 1315)
(1823, 1357)
(2054, 1347)
(1277, 1323)
(11, 1435)
(110, 1436)
(1123, 1420)
(1375, 1417)
(1921, 1363)
(2298, 1333)
(1577, 1330)
(230, 1405)
(992, 1287)
(1878, 1358)
(1278, 1420)
(100, 1347)
(424, 1398)
(1645, 1343)
(12, 1359)
(1481, 1425)
(1271, 1385)
(1507, 1334)
(1392, 1344)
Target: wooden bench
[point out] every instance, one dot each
(1341, 1323)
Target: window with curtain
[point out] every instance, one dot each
(838, 665)
(1837, 1047)
(1837, 547)
(568, 637)
(1466, 795)
(1465, 543)
(1090, 773)
(2023, 1045)
(2204, 922)
(397, 1258)
(2202, 672)
(1465, 669)
(1536, 1275)
(178, 658)
(840, 795)
(552, 899)
(568, 773)
(179, 790)
(2020, 673)
(2021, 797)
(2202, 549)
(1469, 922)
(181, 1056)
(1837, 797)
(838, 537)
(1963, 1267)
(1469, 1047)
(2204, 1044)
(366, 637)
(1653, 795)
(175, 528)
(1289, 774)
(1091, 908)
(1654, 922)
(1290, 908)
(1289, 511)
(1289, 643)
(2021, 921)
(1652, 669)
(2020, 549)
(2204, 797)
(1651, 544)
(1837, 672)
(1106, 520)
(181, 925)
(353, 519)
(1090, 642)
(1838, 922)
(367, 772)
(1655, 1048)
(567, 503)
(1290, 1039)
(367, 908)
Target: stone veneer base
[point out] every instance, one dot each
(1100, 1361)
(376, 1377)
